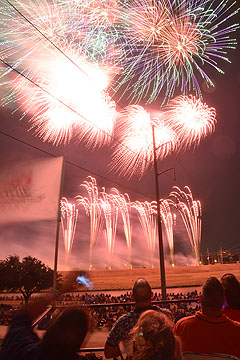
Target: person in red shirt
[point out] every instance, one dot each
(209, 331)
(231, 288)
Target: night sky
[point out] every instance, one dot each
(211, 171)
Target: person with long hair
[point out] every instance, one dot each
(153, 337)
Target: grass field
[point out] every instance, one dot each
(181, 276)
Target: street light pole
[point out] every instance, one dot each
(159, 224)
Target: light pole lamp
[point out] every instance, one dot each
(159, 222)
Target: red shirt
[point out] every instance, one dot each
(233, 314)
(199, 333)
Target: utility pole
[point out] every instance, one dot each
(159, 223)
(208, 256)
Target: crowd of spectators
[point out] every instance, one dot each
(153, 329)
(6, 312)
(105, 316)
(102, 298)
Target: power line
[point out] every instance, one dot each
(69, 107)
(76, 165)
(53, 96)
(60, 101)
(47, 38)
(50, 41)
(63, 53)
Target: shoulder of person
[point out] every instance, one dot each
(124, 318)
(185, 320)
(165, 311)
(233, 322)
(160, 309)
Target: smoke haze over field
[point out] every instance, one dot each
(38, 239)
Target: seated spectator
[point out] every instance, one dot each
(231, 288)
(62, 340)
(209, 331)
(142, 295)
(153, 337)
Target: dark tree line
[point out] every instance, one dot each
(27, 276)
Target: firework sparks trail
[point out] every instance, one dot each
(55, 120)
(109, 207)
(134, 154)
(97, 29)
(69, 215)
(67, 85)
(93, 209)
(147, 212)
(190, 118)
(124, 206)
(168, 220)
(30, 29)
(169, 44)
(191, 214)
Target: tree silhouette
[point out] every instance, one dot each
(27, 276)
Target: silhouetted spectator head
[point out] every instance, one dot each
(153, 337)
(66, 335)
(212, 294)
(231, 288)
(142, 292)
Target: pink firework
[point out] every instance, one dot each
(191, 213)
(135, 152)
(109, 207)
(69, 215)
(168, 218)
(124, 205)
(147, 213)
(68, 98)
(92, 206)
(190, 118)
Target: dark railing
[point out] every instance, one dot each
(124, 304)
(48, 310)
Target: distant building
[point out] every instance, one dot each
(223, 256)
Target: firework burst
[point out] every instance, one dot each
(57, 88)
(99, 35)
(170, 43)
(67, 98)
(190, 119)
(134, 154)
